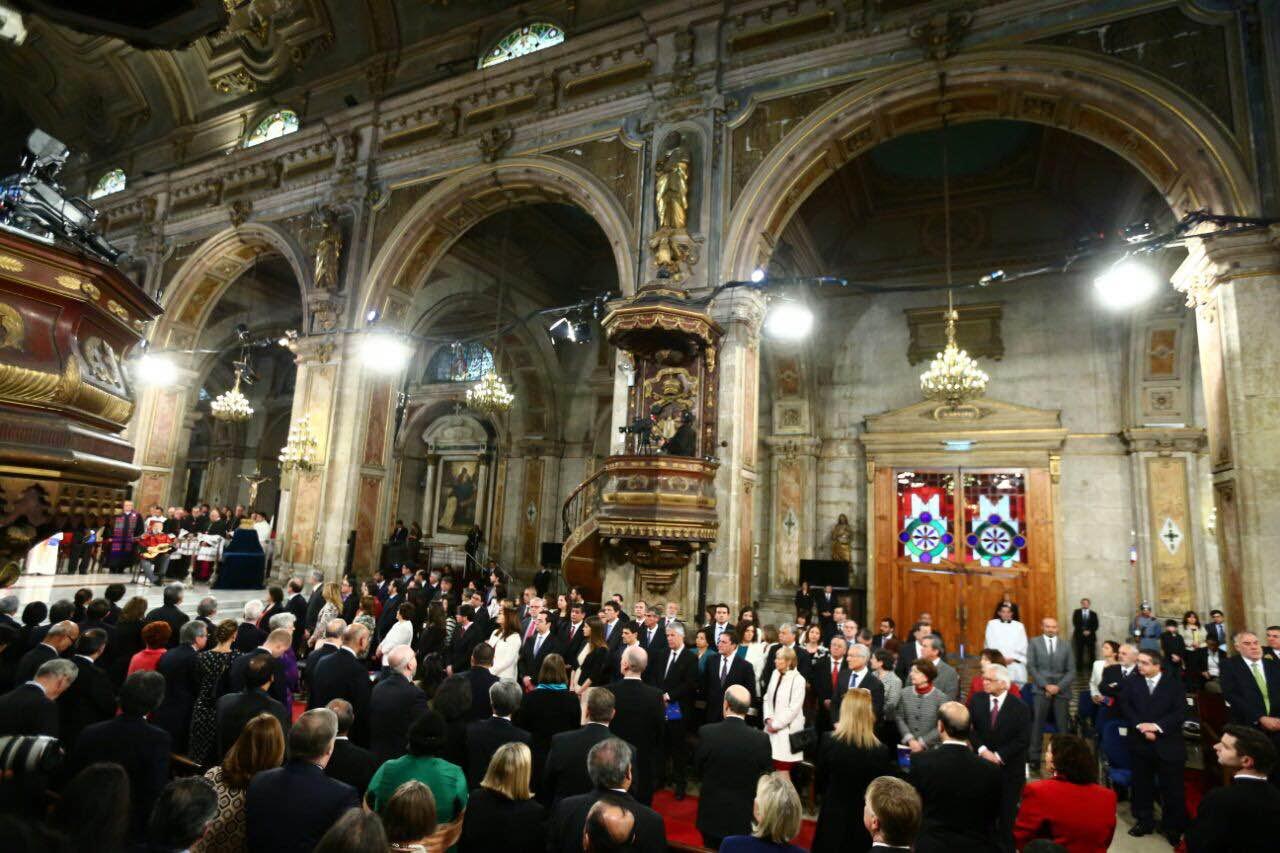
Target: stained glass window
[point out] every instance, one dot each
(994, 517)
(112, 182)
(925, 511)
(279, 123)
(965, 516)
(522, 41)
(459, 363)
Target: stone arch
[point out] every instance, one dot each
(1182, 150)
(445, 213)
(205, 276)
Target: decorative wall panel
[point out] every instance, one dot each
(306, 514)
(1169, 520)
(531, 512)
(375, 437)
(367, 533)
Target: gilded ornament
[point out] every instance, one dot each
(9, 263)
(328, 252)
(90, 290)
(70, 282)
(117, 309)
(672, 184)
(13, 331)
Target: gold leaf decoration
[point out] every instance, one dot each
(9, 263)
(90, 290)
(70, 282)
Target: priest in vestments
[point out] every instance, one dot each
(124, 528)
(1009, 636)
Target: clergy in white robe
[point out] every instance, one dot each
(1010, 639)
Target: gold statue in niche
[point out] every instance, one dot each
(669, 393)
(672, 184)
(842, 540)
(328, 252)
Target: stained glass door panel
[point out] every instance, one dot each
(995, 511)
(926, 508)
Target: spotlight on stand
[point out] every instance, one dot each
(1138, 232)
(1125, 284)
(572, 328)
(757, 275)
(384, 352)
(788, 320)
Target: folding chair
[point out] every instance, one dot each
(1117, 765)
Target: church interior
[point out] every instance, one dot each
(936, 304)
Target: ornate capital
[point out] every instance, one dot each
(1215, 261)
(740, 307)
(1165, 440)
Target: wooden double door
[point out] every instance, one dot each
(953, 541)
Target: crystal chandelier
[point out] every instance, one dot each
(232, 405)
(490, 395)
(953, 376)
(300, 447)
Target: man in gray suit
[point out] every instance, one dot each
(1051, 666)
(948, 680)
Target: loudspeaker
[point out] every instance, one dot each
(820, 573)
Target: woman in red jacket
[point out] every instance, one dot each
(156, 636)
(1070, 807)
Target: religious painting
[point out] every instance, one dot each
(457, 500)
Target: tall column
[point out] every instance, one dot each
(1234, 282)
(429, 499)
(740, 312)
(158, 433)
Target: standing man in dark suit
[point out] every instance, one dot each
(571, 635)
(481, 678)
(1245, 815)
(349, 763)
(912, 649)
(726, 670)
(824, 604)
(181, 684)
(613, 624)
(96, 613)
(485, 736)
(314, 801)
(1084, 635)
(170, 612)
(342, 675)
(273, 647)
(961, 792)
(331, 643)
(315, 603)
(1155, 706)
(235, 710)
(1001, 731)
(535, 649)
(886, 638)
(91, 698)
(296, 603)
(856, 673)
(389, 608)
(466, 636)
(1051, 668)
(394, 705)
(721, 623)
(828, 683)
(1251, 686)
(1217, 627)
(653, 638)
(731, 757)
(29, 708)
(609, 766)
(639, 721)
(565, 773)
(674, 671)
(1113, 676)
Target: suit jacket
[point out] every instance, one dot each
(614, 639)
(1212, 629)
(530, 664)
(234, 681)
(740, 672)
(569, 817)
(25, 710)
(545, 713)
(315, 802)
(1080, 623)
(869, 682)
(341, 676)
(462, 646)
(483, 739)
(843, 773)
(655, 644)
(314, 605)
(1239, 818)
(90, 699)
(1044, 669)
(731, 757)
(181, 685)
(948, 680)
(395, 704)
(565, 773)
(386, 620)
(248, 637)
(481, 680)
(680, 682)
(351, 764)
(824, 691)
(961, 794)
(906, 656)
(235, 710)
(1241, 690)
(1011, 736)
(889, 643)
(313, 659)
(140, 748)
(32, 661)
(497, 822)
(639, 720)
(297, 605)
(571, 647)
(1113, 679)
(1166, 707)
(173, 616)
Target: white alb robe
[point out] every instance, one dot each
(1010, 638)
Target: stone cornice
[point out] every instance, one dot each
(1165, 440)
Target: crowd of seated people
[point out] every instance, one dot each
(412, 712)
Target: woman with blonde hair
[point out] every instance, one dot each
(784, 708)
(332, 609)
(848, 759)
(259, 747)
(776, 814)
(501, 813)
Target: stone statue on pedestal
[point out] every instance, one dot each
(842, 540)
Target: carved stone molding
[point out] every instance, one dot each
(939, 36)
(1165, 440)
(494, 142)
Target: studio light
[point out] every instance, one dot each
(384, 352)
(154, 370)
(788, 321)
(1126, 284)
(572, 328)
(757, 275)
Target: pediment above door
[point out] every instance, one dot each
(987, 432)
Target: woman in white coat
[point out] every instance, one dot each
(784, 708)
(506, 645)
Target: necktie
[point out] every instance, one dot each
(724, 669)
(537, 644)
(853, 680)
(1051, 647)
(573, 630)
(671, 658)
(1260, 677)
(835, 673)
(648, 640)
(1151, 686)
(995, 710)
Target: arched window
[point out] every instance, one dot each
(112, 182)
(279, 123)
(459, 363)
(523, 40)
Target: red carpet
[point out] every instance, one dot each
(680, 818)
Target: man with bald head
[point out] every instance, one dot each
(961, 792)
(609, 827)
(342, 675)
(60, 637)
(731, 757)
(638, 719)
(394, 704)
(609, 766)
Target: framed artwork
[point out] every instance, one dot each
(457, 499)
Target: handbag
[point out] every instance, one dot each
(804, 739)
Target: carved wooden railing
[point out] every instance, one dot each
(580, 511)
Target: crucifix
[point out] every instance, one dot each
(256, 479)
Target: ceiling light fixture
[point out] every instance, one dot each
(232, 406)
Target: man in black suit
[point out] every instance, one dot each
(275, 645)
(856, 673)
(912, 649)
(389, 608)
(609, 765)
(296, 603)
(9, 611)
(653, 639)
(130, 741)
(91, 698)
(958, 817)
(1155, 706)
(891, 814)
(394, 704)
(1084, 635)
(342, 675)
(535, 649)
(182, 684)
(331, 643)
(313, 801)
(235, 710)
(726, 670)
(829, 681)
(1245, 815)
(29, 708)
(1216, 627)
(565, 772)
(1113, 676)
(613, 624)
(315, 602)
(1240, 677)
(731, 757)
(630, 640)
(96, 613)
(170, 612)
(248, 635)
(786, 640)
(719, 623)
(466, 636)
(571, 635)
(481, 678)
(60, 637)
(1002, 733)
(639, 721)
(349, 763)
(674, 671)
(485, 736)
(824, 605)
